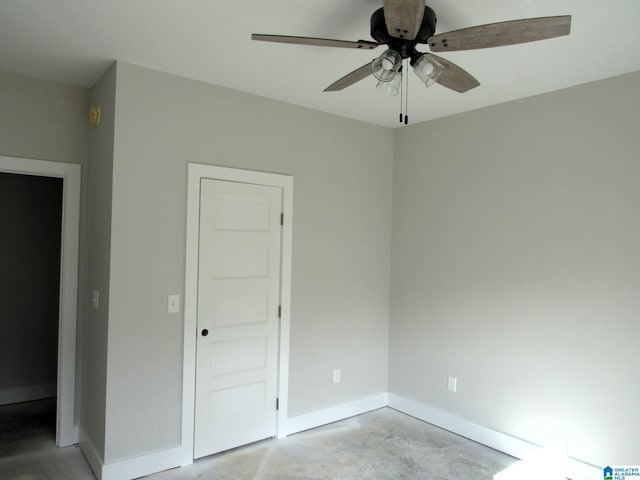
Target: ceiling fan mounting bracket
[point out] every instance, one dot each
(406, 48)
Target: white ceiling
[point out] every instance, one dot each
(74, 41)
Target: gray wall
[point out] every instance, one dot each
(94, 380)
(514, 262)
(31, 219)
(515, 267)
(341, 247)
(45, 120)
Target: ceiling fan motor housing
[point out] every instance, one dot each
(406, 48)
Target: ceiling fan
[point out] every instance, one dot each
(402, 25)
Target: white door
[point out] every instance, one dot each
(237, 314)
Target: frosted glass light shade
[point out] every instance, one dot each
(386, 65)
(428, 69)
(391, 87)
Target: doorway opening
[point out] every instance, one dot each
(31, 219)
(39, 211)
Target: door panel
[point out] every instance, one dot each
(238, 299)
(233, 261)
(238, 356)
(239, 306)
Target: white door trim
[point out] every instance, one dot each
(66, 430)
(195, 173)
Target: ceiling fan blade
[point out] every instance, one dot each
(318, 42)
(454, 77)
(351, 78)
(501, 34)
(403, 17)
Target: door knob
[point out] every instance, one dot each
(205, 332)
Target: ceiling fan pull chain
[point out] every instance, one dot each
(406, 95)
(401, 96)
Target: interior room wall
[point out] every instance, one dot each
(31, 219)
(100, 179)
(515, 268)
(43, 120)
(514, 265)
(342, 173)
(46, 120)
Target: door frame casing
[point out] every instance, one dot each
(66, 429)
(197, 172)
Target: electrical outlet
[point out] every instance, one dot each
(452, 384)
(336, 375)
(95, 299)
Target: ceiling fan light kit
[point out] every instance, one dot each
(402, 25)
(386, 66)
(428, 69)
(391, 87)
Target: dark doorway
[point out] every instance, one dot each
(30, 242)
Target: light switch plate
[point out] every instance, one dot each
(452, 384)
(95, 299)
(173, 304)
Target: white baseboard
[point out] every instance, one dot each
(131, 467)
(94, 459)
(335, 414)
(143, 465)
(28, 394)
(513, 446)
